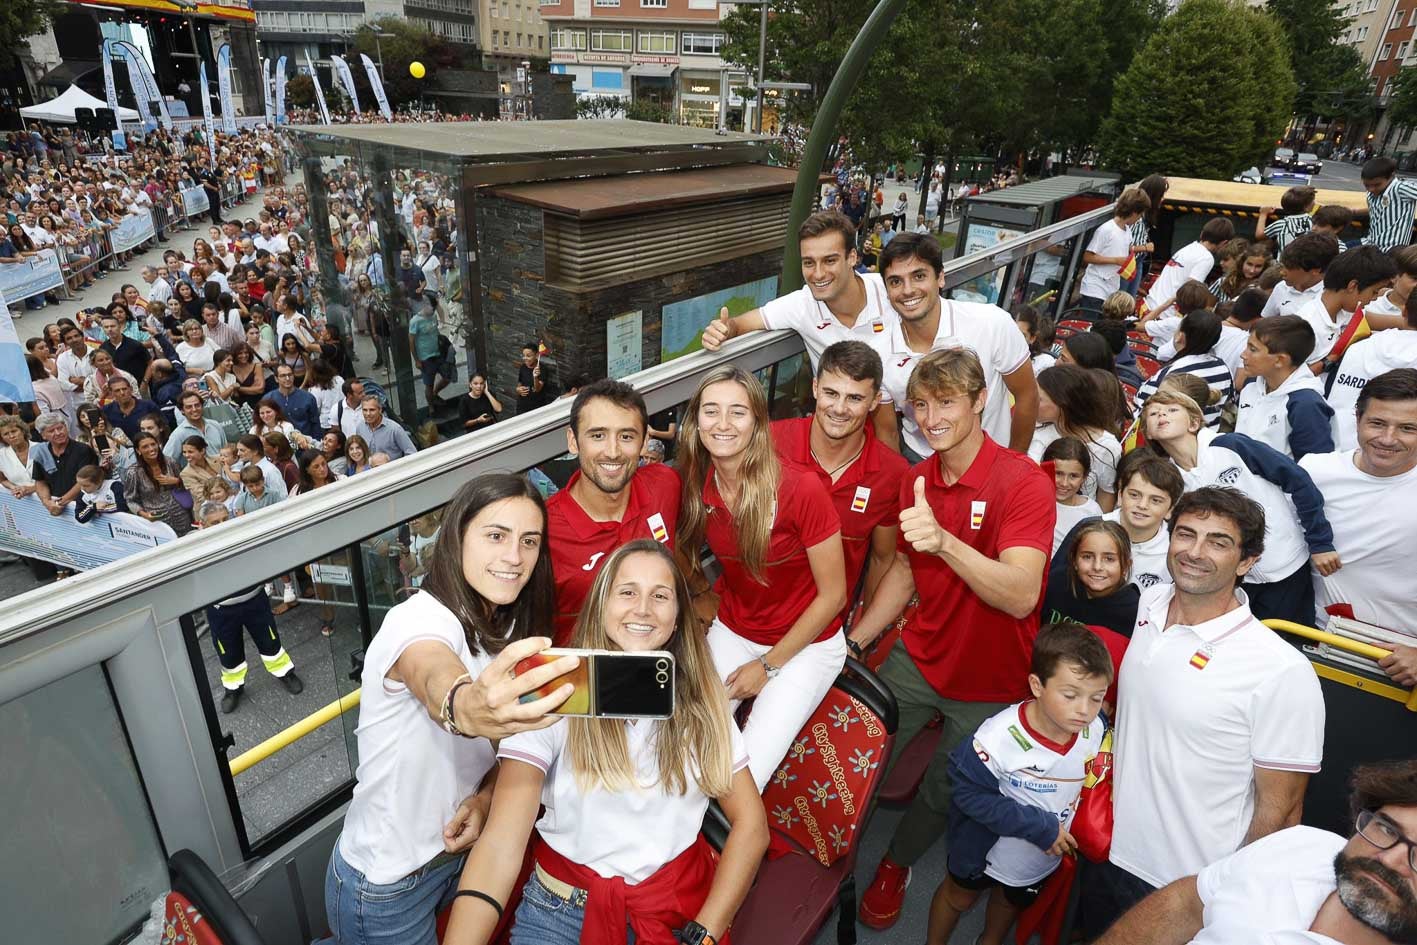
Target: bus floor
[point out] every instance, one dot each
(925, 876)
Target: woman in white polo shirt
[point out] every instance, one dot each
(436, 691)
(619, 844)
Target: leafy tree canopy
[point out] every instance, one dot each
(1190, 105)
(22, 18)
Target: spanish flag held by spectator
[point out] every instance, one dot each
(1128, 268)
(1135, 438)
(1356, 330)
(542, 350)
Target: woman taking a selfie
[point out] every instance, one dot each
(777, 636)
(619, 843)
(436, 691)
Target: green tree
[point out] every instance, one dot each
(1402, 106)
(409, 43)
(1191, 104)
(300, 91)
(600, 106)
(649, 110)
(1321, 62)
(22, 18)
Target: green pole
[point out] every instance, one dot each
(824, 130)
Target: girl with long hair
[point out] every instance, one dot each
(1094, 589)
(356, 455)
(777, 636)
(1076, 402)
(250, 373)
(437, 691)
(624, 799)
(1038, 330)
(1071, 464)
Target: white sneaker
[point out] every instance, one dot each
(288, 595)
(270, 589)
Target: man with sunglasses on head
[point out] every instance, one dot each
(1301, 885)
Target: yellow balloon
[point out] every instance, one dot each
(416, 70)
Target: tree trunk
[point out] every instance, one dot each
(945, 188)
(927, 171)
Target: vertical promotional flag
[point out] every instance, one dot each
(377, 85)
(280, 91)
(140, 87)
(150, 81)
(319, 92)
(346, 79)
(267, 93)
(207, 130)
(110, 92)
(15, 384)
(223, 85)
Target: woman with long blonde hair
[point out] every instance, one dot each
(777, 637)
(619, 842)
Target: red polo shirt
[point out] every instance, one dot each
(866, 496)
(579, 545)
(965, 649)
(764, 611)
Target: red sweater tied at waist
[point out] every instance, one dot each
(653, 908)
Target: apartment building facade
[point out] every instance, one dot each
(665, 51)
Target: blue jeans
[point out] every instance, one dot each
(544, 918)
(404, 912)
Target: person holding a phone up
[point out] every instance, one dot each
(619, 843)
(777, 636)
(437, 691)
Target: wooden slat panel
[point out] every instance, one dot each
(591, 254)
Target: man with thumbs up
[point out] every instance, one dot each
(976, 527)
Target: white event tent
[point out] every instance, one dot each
(62, 109)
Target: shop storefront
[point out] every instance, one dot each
(699, 100)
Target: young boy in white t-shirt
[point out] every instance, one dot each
(1109, 250)
(1017, 784)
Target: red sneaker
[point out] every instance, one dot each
(880, 905)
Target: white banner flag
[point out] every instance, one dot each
(346, 79)
(207, 130)
(223, 85)
(267, 93)
(319, 92)
(150, 81)
(110, 92)
(378, 86)
(280, 91)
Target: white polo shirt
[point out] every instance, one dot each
(1378, 354)
(1326, 328)
(1374, 520)
(819, 328)
(1192, 261)
(1276, 884)
(1100, 280)
(989, 332)
(412, 775)
(1285, 300)
(625, 834)
(1198, 709)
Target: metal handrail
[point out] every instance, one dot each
(291, 734)
(1356, 647)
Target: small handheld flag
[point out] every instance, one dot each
(1356, 330)
(541, 349)
(1128, 268)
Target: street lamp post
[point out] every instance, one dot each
(379, 50)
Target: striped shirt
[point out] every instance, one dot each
(1390, 215)
(1285, 229)
(1140, 233)
(1208, 368)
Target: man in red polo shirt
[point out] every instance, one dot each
(840, 447)
(976, 527)
(610, 500)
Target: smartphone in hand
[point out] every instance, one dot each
(610, 683)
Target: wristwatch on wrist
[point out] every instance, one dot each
(768, 668)
(853, 646)
(694, 934)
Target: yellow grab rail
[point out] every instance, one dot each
(258, 753)
(1356, 647)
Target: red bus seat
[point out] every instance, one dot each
(1147, 366)
(818, 803)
